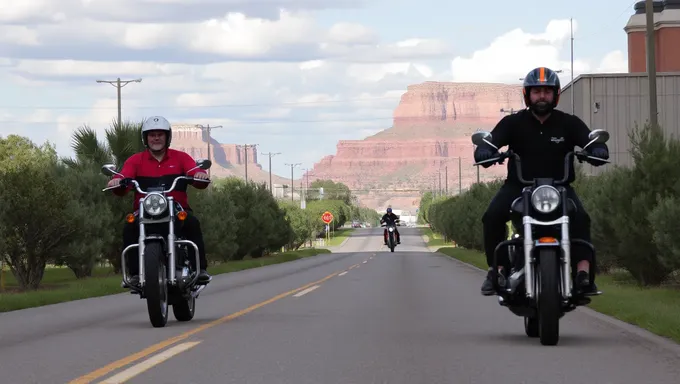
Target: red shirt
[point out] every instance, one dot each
(150, 172)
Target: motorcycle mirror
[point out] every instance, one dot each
(481, 137)
(203, 163)
(109, 169)
(599, 136)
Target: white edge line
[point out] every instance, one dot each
(365, 261)
(343, 273)
(149, 363)
(305, 291)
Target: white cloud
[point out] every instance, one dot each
(513, 54)
(614, 62)
(287, 83)
(352, 33)
(36, 11)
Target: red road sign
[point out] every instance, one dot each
(327, 217)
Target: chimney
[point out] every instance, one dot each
(667, 31)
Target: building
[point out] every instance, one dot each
(617, 102)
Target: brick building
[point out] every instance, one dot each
(616, 102)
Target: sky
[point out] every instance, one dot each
(293, 76)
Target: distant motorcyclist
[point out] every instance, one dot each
(390, 219)
(155, 166)
(541, 136)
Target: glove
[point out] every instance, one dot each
(483, 153)
(600, 153)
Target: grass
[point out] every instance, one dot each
(59, 284)
(656, 309)
(339, 235)
(434, 239)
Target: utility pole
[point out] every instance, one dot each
(118, 83)
(307, 181)
(291, 178)
(446, 179)
(571, 28)
(460, 176)
(439, 175)
(246, 146)
(270, 154)
(651, 63)
(207, 131)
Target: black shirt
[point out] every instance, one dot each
(541, 146)
(390, 218)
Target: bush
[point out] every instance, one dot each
(633, 210)
(59, 215)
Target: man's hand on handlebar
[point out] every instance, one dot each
(483, 154)
(113, 182)
(201, 176)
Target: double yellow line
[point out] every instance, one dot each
(94, 375)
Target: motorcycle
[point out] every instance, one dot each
(539, 287)
(165, 272)
(391, 240)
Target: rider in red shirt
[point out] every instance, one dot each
(154, 167)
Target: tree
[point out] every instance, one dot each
(331, 191)
(35, 220)
(122, 141)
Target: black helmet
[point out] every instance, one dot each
(541, 77)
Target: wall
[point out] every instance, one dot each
(623, 100)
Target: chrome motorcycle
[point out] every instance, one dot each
(539, 285)
(166, 276)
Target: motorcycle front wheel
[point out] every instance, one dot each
(156, 284)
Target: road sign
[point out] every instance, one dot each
(327, 217)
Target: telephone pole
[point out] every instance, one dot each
(291, 178)
(307, 174)
(651, 63)
(571, 28)
(118, 83)
(207, 130)
(270, 154)
(246, 146)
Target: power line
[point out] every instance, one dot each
(292, 103)
(239, 122)
(608, 25)
(207, 130)
(271, 154)
(119, 84)
(245, 147)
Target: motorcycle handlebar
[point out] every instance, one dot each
(172, 187)
(580, 155)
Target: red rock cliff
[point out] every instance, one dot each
(228, 159)
(431, 131)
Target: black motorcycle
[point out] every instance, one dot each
(165, 272)
(391, 236)
(539, 285)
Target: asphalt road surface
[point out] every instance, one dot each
(361, 315)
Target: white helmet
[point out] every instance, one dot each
(156, 123)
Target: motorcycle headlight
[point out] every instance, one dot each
(545, 199)
(391, 229)
(155, 204)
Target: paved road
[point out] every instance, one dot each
(361, 315)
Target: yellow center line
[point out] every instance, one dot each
(89, 377)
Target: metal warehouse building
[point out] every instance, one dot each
(617, 102)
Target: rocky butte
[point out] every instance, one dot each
(228, 159)
(428, 141)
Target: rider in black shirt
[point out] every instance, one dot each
(541, 136)
(390, 218)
